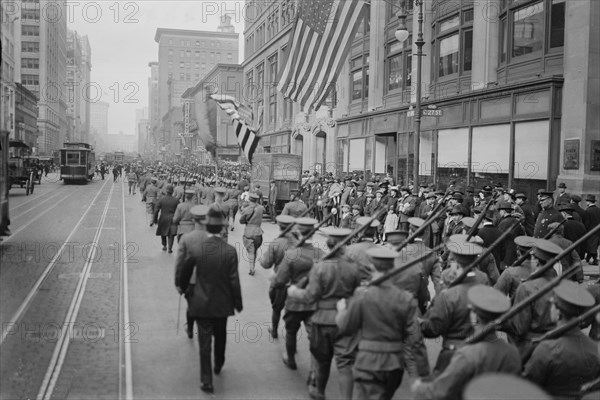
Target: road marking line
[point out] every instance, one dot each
(124, 341)
(62, 346)
(49, 267)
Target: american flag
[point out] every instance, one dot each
(320, 41)
(241, 116)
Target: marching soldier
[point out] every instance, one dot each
(386, 318)
(357, 251)
(563, 364)
(233, 200)
(570, 259)
(272, 258)
(294, 207)
(151, 194)
(183, 216)
(492, 354)
(448, 315)
(512, 276)
(216, 292)
(329, 281)
(295, 266)
(223, 207)
(252, 217)
(535, 320)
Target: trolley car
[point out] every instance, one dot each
(77, 162)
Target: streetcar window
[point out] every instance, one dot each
(83, 158)
(72, 158)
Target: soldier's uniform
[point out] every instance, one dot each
(448, 315)
(272, 258)
(390, 338)
(151, 195)
(357, 251)
(183, 217)
(330, 281)
(295, 266)
(535, 319)
(512, 276)
(223, 207)
(563, 364)
(252, 217)
(491, 354)
(502, 386)
(294, 208)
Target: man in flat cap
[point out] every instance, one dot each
(548, 215)
(390, 339)
(272, 258)
(535, 320)
(216, 292)
(560, 365)
(329, 281)
(490, 355)
(251, 216)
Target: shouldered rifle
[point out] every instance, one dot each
(421, 229)
(520, 260)
(291, 226)
(354, 233)
(487, 251)
(396, 271)
(479, 219)
(517, 308)
(540, 271)
(314, 230)
(575, 322)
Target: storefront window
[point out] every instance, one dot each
(528, 30)
(490, 154)
(426, 154)
(531, 150)
(357, 155)
(452, 159)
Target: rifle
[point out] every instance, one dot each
(312, 231)
(517, 308)
(590, 386)
(479, 219)
(487, 251)
(396, 271)
(442, 203)
(540, 271)
(420, 230)
(355, 232)
(520, 260)
(291, 226)
(576, 322)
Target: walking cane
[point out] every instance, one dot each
(178, 315)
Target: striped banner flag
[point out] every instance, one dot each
(241, 117)
(320, 41)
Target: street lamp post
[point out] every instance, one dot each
(402, 34)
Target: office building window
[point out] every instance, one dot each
(249, 89)
(359, 78)
(181, 53)
(30, 47)
(260, 84)
(229, 57)
(399, 65)
(454, 39)
(188, 54)
(273, 89)
(30, 63)
(170, 52)
(197, 54)
(170, 42)
(197, 43)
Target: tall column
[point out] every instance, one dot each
(581, 93)
(485, 43)
(377, 54)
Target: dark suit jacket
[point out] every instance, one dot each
(166, 206)
(490, 234)
(216, 292)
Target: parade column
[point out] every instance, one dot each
(580, 124)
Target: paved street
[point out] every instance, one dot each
(72, 327)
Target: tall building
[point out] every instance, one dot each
(153, 115)
(141, 129)
(98, 122)
(185, 56)
(84, 88)
(517, 91)
(74, 85)
(10, 37)
(43, 67)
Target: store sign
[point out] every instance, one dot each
(595, 156)
(571, 155)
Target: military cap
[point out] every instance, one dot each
(526, 242)
(416, 221)
(253, 196)
(285, 219)
(469, 222)
(464, 252)
(339, 233)
(430, 195)
(544, 194)
(545, 249)
(304, 221)
(576, 198)
(503, 205)
(188, 192)
(502, 386)
(562, 185)
(363, 220)
(565, 207)
(199, 211)
(487, 302)
(591, 198)
(460, 237)
(571, 299)
(520, 196)
(458, 209)
(396, 235)
(381, 253)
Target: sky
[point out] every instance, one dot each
(121, 35)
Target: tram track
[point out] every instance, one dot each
(33, 198)
(37, 205)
